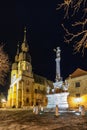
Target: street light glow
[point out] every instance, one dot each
(3, 100)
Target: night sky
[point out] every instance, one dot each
(44, 33)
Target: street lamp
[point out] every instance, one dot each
(3, 100)
(78, 100)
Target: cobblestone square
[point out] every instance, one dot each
(26, 120)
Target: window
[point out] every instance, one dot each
(35, 90)
(27, 100)
(27, 90)
(78, 95)
(77, 84)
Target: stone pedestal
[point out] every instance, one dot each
(59, 99)
(59, 95)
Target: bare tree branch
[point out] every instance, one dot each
(4, 65)
(65, 5)
(83, 23)
(79, 38)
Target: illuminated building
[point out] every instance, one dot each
(77, 89)
(26, 88)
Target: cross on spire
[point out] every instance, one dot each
(17, 48)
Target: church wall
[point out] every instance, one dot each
(39, 94)
(27, 91)
(9, 98)
(14, 97)
(14, 75)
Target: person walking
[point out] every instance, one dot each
(56, 111)
(36, 110)
(83, 110)
(41, 110)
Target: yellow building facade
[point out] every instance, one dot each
(26, 89)
(77, 82)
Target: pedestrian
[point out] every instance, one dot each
(80, 109)
(41, 110)
(34, 109)
(83, 110)
(56, 111)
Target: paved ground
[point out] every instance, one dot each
(26, 120)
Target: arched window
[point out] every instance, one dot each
(27, 100)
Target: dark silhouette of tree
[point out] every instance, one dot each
(76, 9)
(4, 65)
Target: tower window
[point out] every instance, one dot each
(27, 90)
(77, 84)
(35, 90)
(27, 100)
(78, 95)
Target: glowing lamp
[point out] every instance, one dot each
(77, 100)
(3, 100)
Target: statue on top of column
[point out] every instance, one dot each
(57, 50)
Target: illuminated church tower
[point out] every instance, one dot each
(26, 88)
(21, 77)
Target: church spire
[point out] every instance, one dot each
(17, 55)
(25, 34)
(17, 48)
(24, 45)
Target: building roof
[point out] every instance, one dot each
(39, 79)
(42, 80)
(78, 72)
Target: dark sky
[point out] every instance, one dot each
(44, 33)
